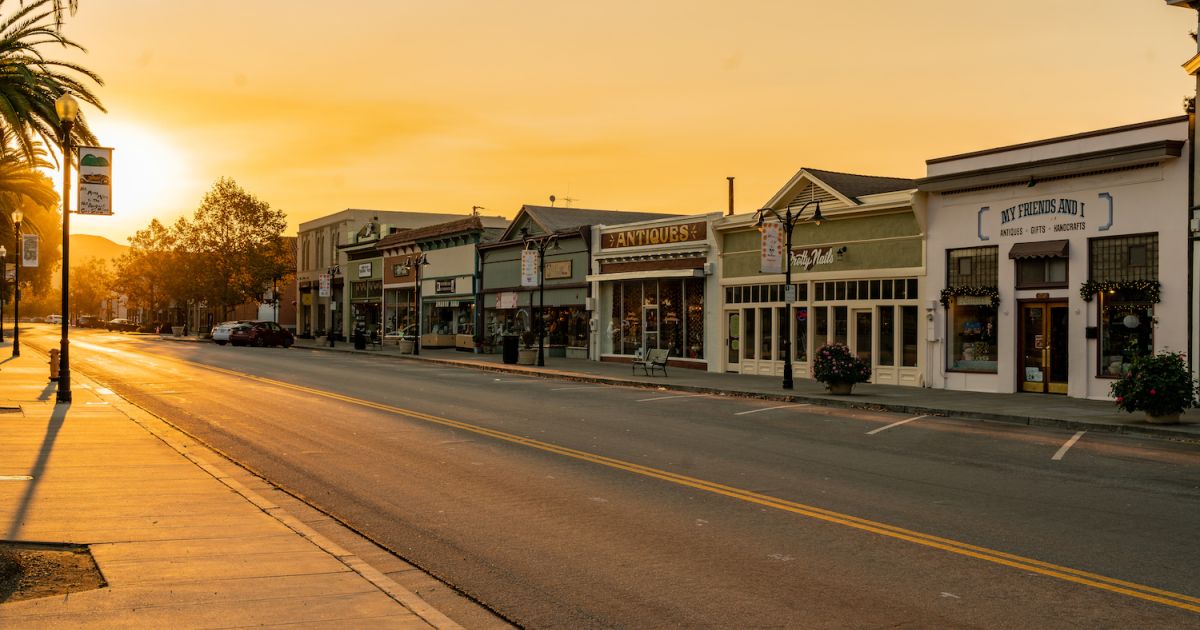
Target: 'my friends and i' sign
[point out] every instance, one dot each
(1062, 209)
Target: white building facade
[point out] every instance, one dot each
(1050, 263)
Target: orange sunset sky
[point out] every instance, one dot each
(440, 106)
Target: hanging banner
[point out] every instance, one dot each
(95, 181)
(323, 285)
(529, 268)
(772, 248)
(29, 250)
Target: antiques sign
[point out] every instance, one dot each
(660, 235)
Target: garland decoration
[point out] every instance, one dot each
(1150, 290)
(974, 291)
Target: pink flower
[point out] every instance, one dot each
(1153, 392)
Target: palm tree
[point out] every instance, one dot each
(30, 83)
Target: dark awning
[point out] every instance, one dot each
(1040, 249)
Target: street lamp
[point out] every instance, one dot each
(3, 286)
(541, 244)
(17, 216)
(67, 109)
(789, 220)
(420, 261)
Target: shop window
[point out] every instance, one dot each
(1126, 313)
(748, 332)
(801, 333)
(1041, 273)
(693, 289)
(972, 336)
(908, 341)
(670, 293)
(886, 320)
(820, 325)
(766, 337)
(840, 324)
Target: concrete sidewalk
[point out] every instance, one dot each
(181, 543)
(1030, 409)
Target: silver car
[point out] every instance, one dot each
(220, 332)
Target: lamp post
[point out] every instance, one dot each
(17, 216)
(332, 309)
(3, 288)
(419, 262)
(67, 109)
(541, 244)
(789, 220)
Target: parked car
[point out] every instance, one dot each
(90, 321)
(261, 333)
(220, 332)
(54, 319)
(121, 324)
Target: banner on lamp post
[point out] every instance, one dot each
(323, 285)
(29, 250)
(772, 248)
(529, 268)
(95, 181)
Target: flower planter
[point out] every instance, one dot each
(527, 356)
(1170, 418)
(840, 389)
(405, 346)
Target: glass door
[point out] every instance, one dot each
(862, 338)
(733, 331)
(1044, 359)
(649, 327)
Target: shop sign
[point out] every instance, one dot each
(29, 250)
(306, 299)
(973, 300)
(529, 268)
(558, 270)
(772, 248)
(1043, 216)
(364, 270)
(95, 181)
(806, 259)
(506, 300)
(659, 235)
(323, 285)
(443, 286)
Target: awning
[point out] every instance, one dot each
(1040, 249)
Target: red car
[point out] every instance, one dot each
(260, 334)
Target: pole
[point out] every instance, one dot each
(786, 328)
(417, 300)
(541, 360)
(64, 371)
(16, 351)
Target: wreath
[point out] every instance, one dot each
(975, 291)
(1150, 289)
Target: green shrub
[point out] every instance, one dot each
(1158, 384)
(835, 363)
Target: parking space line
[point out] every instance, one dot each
(743, 413)
(896, 424)
(567, 389)
(1066, 447)
(669, 397)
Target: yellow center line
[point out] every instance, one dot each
(1132, 589)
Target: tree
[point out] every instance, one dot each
(147, 273)
(90, 286)
(235, 246)
(30, 83)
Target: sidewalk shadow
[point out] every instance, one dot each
(39, 466)
(50, 388)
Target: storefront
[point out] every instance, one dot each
(1044, 260)
(511, 303)
(654, 288)
(857, 279)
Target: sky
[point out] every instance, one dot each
(438, 106)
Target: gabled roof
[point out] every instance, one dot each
(412, 235)
(551, 220)
(855, 186)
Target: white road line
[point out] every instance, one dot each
(567, 389)
(743, 413)
(896, 424)
(669, 397)
(1066, 447)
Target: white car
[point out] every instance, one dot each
(220, 332)
(54, 319)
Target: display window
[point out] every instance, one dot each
(655, 314)
(972, 336)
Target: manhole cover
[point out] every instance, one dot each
(32, 570)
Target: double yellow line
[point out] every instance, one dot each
(1131, 589)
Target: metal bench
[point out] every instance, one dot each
(654, 360)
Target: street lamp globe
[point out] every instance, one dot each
(66, 107)
(17, 217)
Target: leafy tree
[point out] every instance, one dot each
(32, 193)
(147, 273)
(235, 246)
(91, 284)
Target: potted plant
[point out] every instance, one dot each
(1159, 384)
(838, 368)
(527, 355)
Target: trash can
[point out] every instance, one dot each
(511, 344)
(360, 339)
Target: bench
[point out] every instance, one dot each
(654, 360)
(375, 340)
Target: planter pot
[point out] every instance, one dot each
(405, 346)
(177, 331)
(1170, 418)
(840, 389)
(527, 356)
(577, 352)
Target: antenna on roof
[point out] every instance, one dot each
(475, 210)
(552, 199)
(569, 200)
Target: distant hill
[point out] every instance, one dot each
(85, 246)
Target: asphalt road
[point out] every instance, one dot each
(562, 504)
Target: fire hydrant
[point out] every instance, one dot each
(54, 363)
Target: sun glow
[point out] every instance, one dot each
(151, 179)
